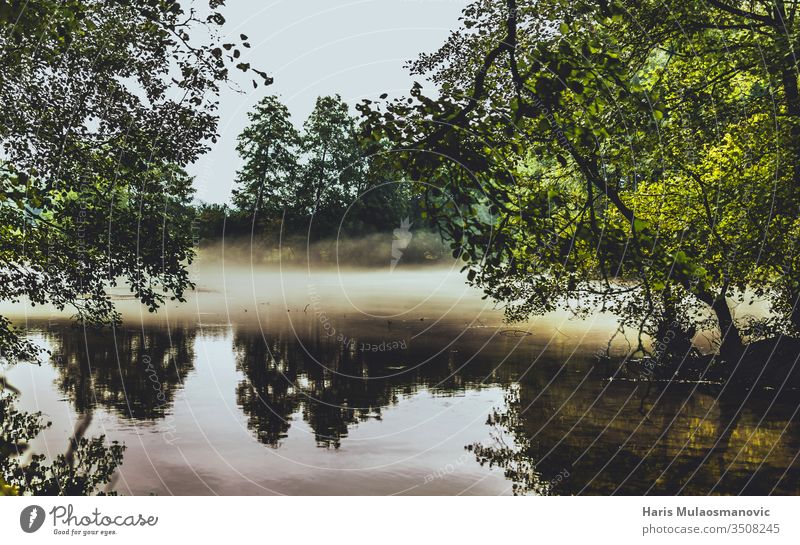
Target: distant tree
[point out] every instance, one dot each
(270, 148)
(210, 220)
(333, 173)
(213, 221)
(381, 207)
(324, 177)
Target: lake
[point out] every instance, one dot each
(337, 381)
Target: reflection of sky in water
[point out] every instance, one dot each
(277, 404)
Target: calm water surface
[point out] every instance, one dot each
(333, 382)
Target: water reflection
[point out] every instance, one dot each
(563, 429)
(134, 372)
(583, 435)
(336, 384)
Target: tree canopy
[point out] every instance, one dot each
(639, 157)
(104, 103)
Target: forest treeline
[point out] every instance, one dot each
(317, 191)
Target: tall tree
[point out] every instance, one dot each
(324, 177)
(333, 170)
(270, 148)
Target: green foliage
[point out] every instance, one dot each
(269, 148)
(333, 172)
(103, 104)
(83, 470)
(322, 182)
(631, 156)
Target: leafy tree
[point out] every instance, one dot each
(333, 172)
(270, 148)
(103, 105)
(638, 157)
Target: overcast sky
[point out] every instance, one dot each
(320, 47)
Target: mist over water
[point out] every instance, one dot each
(287, 378)
(374, 251)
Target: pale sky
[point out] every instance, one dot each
(357, 48)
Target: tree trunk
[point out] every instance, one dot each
(788, 72)
(731, 346)
(790, 88)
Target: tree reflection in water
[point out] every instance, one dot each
(335, 385)
(570, 437)
(564, 429)
(132, 371)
